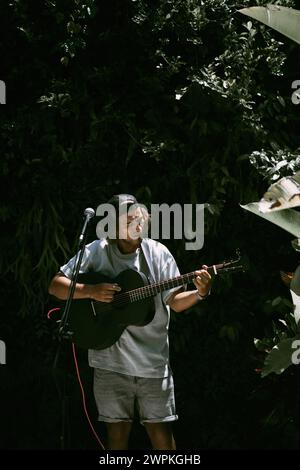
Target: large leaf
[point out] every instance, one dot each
(288, 219)
(295, 293)
(284, 20)
(295, 282)
(296, 303)
(283, 194)
(282, 356)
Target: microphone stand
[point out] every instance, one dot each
(65, 334)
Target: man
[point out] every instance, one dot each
(134, 372)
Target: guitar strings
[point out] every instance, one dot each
(145, 291)
(151, 289)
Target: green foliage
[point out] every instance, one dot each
(280, 358)
(167, 100)
(276, 163)
(280, 336)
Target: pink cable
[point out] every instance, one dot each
(80, 383)
(83, 397)
(51, 311)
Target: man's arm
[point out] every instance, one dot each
(104, 292)
(182, 300)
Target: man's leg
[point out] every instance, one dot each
(118, 435)
(161, 436)
(114, 395)
(157, 410)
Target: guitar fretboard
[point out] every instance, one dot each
(151, 290)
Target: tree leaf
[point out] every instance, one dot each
(280, 358)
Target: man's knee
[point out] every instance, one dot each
(161, 435)
(118, 431)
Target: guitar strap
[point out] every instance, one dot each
(147, 255)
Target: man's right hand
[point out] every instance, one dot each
(103, 292)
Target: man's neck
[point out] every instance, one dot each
(128, 246)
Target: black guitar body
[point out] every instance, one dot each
(98, 325)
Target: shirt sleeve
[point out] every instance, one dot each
(86, 263)
(169, 271)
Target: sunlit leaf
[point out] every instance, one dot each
(284, 20)
(280, 358)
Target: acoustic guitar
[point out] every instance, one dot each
(98, 325)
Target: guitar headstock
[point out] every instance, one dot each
(231, 265)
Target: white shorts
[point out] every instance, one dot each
(118, 396)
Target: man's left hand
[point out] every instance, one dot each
(203, 281)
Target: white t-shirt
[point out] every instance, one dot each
(141, 351)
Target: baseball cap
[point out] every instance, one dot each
(119, 200)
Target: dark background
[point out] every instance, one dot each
(92, 111)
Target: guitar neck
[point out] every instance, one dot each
(151, 290)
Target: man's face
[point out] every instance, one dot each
(131, 224)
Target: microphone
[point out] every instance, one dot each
(88, 215)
